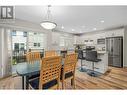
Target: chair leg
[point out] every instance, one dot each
(63, 85)
(93, 73)
(57, 86)
(93, 66)
(73, 82)
(81, 65)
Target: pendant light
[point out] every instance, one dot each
(47, 23)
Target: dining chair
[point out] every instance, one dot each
(68, 71)
(33, 56)
(49, 74)
(50, 53)
(63, 53)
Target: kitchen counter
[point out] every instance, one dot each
(101, 52)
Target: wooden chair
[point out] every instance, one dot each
(49, 74)
(50, 53)
(63, 53)
(33, 56)
(68, 71)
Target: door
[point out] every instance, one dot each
(19, 46)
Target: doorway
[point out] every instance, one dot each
(19, 48)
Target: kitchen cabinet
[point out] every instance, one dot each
(94, 36)
(114, 33)
(101, 41)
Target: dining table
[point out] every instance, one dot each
(26, 69)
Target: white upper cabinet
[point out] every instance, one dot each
(92, 37)
(114, 33)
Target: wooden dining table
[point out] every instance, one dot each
(25, 70)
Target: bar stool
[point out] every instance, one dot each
(92, 56)
(81, 57)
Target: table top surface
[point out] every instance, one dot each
(25, 69)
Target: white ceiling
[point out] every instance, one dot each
(81, 19)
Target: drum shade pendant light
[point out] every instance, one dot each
(47, 23)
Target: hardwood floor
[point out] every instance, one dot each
(115, 78)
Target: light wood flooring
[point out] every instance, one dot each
(115, 78)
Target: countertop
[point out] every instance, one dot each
(101, 52)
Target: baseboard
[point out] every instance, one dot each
(5, 77)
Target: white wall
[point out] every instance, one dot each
(4, 57)
(125, 46)
(1, 52)
(56, 40)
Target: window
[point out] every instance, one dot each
(21, 46)
(62, 41)
(66, 41)
(25, 34)
(13, 33)
(19, 40)
(35, 44)
(39, 45)
(35, 33)
(36, 40)
(16, 46)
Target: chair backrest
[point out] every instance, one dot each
(80, 54)
(50, 70)
(63, 53)
(91, 55)
(70, 63)
(50, 53)
(32, 56)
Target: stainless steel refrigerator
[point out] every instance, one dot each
(114, 46)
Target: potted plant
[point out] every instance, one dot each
(14, 61)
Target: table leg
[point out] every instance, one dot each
(27, 82)
(22, 82)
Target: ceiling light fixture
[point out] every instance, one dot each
(72, 29)
(80, 31)
(102, 21)
(47, 23)
(94, 28)
(83, 26)
(62, 27)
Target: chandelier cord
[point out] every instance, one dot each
(48, 12)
